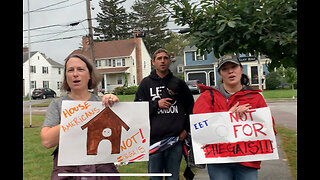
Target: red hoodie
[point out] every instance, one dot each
(221, 104)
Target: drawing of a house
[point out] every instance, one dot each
(106, 125)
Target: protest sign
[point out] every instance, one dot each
(224, 137)
(91, 133)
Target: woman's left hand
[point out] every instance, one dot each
(109, 100)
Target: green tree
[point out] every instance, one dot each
(148, 16)
(291, 77)
(176, 43)
(238, 26)
(113, 21)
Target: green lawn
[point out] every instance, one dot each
(279, 93)
(289, 146)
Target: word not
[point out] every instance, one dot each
(236, 118)
(242, 148)
(70, 111)
(200, 124)
(130, 141)
(77, 120)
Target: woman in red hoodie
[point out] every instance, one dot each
(233, 95)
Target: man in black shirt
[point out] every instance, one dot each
(170, 103)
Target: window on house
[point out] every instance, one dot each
(98, 63)
(123, 62)
(45, 70)
(212, 82)
(119, 79)
(33, 84)
(254, 75)
(45, 84)
(59, 84)
(180, 69)
(200, 57)
(113, 63)
(33, 69)
(59, 70)
(108, 62)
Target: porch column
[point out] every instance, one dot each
(105, 82)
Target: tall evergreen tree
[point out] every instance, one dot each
(148, 16)
(113, 21)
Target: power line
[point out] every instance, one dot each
(69, 37)
(45, 7)
(37, 35)
(54, 25)
(60, 7)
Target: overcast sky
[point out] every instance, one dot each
(53, 24)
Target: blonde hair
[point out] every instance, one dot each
(95, 77)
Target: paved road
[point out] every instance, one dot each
(35, 110)
(284, 113)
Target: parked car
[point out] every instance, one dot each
(193, 86)
(43, 93)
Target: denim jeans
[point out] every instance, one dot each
(167, 161)
(231, 171)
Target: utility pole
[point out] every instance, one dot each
(95, 91)
(29, 48)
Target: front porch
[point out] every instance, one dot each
(113, 78)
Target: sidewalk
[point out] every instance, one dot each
(270, 170)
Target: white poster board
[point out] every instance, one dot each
(223, 137)
(91, 133)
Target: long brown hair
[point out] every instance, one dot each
(95, 77)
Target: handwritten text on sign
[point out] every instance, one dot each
(91, 133)
(224, 137)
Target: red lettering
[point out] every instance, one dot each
(235, 130)
(243, 129)
(258, 130)
(234, 117)
(243, 148)
(251, 111)
(245, 117)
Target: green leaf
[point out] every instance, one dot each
(221, 28)
(232, 24)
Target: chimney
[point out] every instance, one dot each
(137, 40)
(25, 49)
(85, 42)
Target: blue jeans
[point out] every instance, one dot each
(231, 171)
(168, 161)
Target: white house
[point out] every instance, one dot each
(119, 61)
(44, 72)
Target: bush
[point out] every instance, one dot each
(125, 91)
(272, 80)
